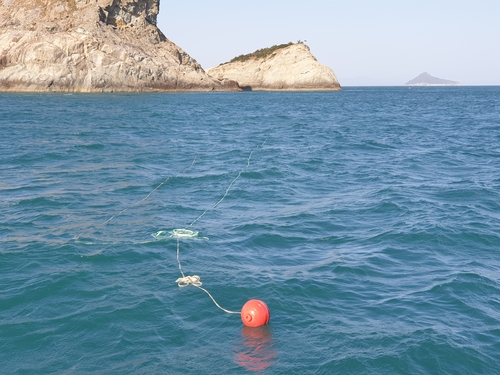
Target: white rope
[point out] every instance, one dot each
(219, 202)
(230, 185)
(178, 260)
(147, 196)
(216, 304)
(187, 233)
(196, 281)
(184, 281)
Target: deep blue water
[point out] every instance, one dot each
(368, 220)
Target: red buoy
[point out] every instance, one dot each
(255, 313)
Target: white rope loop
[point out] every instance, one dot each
(188, 280)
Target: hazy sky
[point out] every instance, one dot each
(366, 42)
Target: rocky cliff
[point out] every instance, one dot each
(93, 45)
(290, 68)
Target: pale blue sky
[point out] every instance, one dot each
(384, 42)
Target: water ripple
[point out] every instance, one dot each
(367, 220)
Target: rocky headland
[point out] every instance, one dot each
(425, 79)
(93, 46)
(288, 67)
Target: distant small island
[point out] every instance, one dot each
(425, 79)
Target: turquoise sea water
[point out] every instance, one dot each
(368, 220)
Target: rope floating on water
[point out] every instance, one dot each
(77, 237)
(254, 313)
(196, 281)
(178, 233)
(188, 280)
(191, 234)
(230, 185)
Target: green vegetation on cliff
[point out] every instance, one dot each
(262, 53)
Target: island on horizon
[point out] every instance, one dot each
(425, 79)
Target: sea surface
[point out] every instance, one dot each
(367, 220)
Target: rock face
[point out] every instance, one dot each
(93, 45)
(292, 68)
(425, 79)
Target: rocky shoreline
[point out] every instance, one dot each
(116, 46)
(93, 46)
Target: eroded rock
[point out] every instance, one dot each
(291, 68)
(93, 45)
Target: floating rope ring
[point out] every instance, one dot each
(184, 233)
(178, 234)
